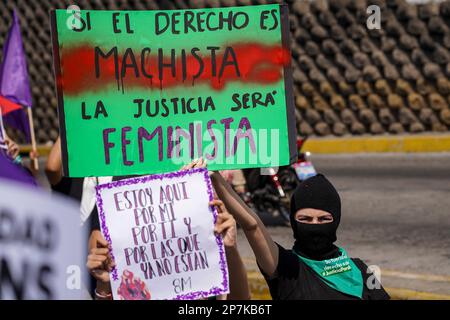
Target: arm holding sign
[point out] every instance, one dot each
(226, 226)
(53, 168)
(265, 249)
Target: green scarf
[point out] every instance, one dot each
(340, 273)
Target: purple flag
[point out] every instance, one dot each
(19, 119)
(14, 82)
(12, 171)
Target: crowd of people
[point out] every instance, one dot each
(314, 268)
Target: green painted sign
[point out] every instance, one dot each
(142, 92)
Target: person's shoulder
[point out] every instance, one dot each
(360, 264)
(284, 253)
(372, 285)
(288, 262)
(280, 247)
(285, 259)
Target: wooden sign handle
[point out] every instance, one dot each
(33, 137)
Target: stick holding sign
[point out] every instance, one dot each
(34, 160)
(161, 231)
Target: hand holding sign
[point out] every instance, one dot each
(99, 261)
(196, 163)
(225, 224)
(13, 148)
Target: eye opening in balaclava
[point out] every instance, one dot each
(316, 240)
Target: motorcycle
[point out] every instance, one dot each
(303, 167)
(272, 193)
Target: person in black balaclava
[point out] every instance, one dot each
(316, 240)
(315, 268)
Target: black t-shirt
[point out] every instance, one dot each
(294, 280)
(71, 187)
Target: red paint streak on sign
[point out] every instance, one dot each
(258, 64)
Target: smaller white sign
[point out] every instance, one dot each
(161, 231)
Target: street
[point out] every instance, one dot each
(395, 214)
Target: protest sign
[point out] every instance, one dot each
(160, 229)
(42, 246)
(143, 92)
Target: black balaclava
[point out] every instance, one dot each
(315, 241)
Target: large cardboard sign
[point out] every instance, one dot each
(42, 245)
(143, 92)
(160, 228)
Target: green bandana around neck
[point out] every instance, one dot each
(340, 273)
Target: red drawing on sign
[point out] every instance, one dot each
(132, 288)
